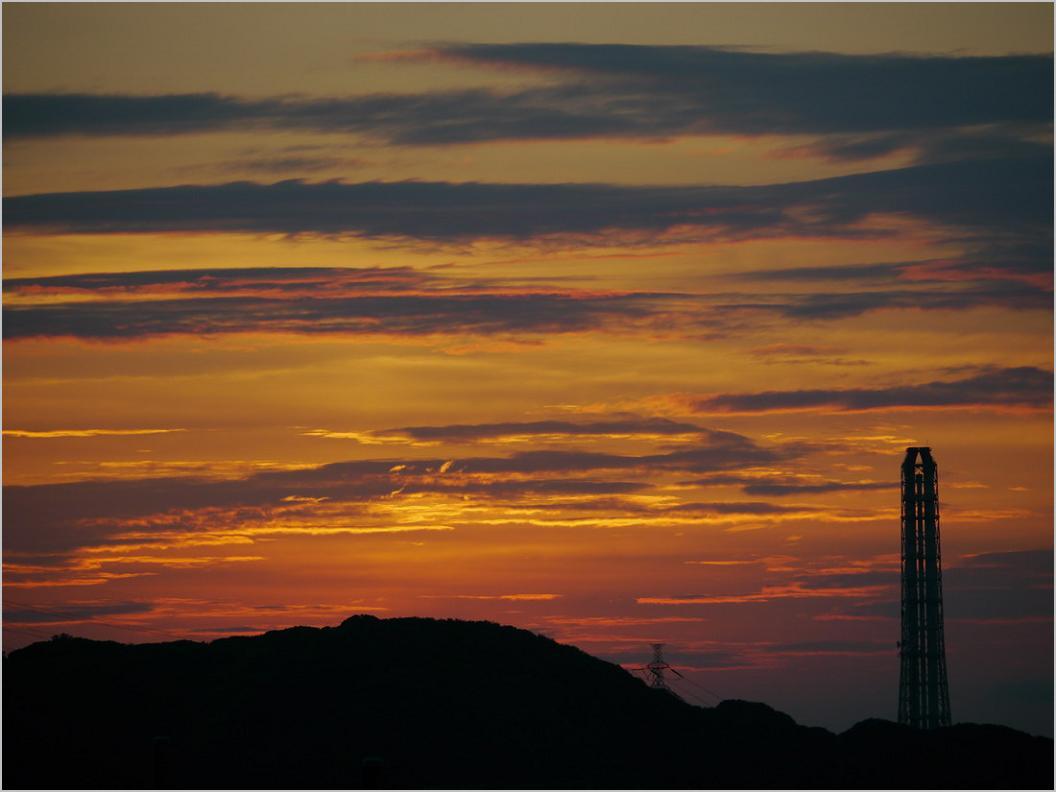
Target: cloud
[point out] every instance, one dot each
(283, 165)
(749, 91)
(830, 647)
(72, 612)
(767, 593)
(975, 199)
(435, 211)
(415, 315)
(59, 518)
(404, 301)
(807, 487)
(789, 485)
(66, 433)
(47, 115)
(790, 354)
(997, 587)
(842, 578)
(734, 507)
(396, 301)
(861, 581)
(1022, 264)
(1023, 386)
(828, 306)
(541, 430)
(629, 91)
(1036, 562)
(929, 145)
(220, 280)
(512, 597)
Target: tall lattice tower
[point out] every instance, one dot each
(923, 692)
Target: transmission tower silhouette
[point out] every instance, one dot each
(658, 667)
(923, 691)
(657, 679)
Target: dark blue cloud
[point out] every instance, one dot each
(47, 115)
(403, 301)
(802, 487)
(625, 91)
(974, 198)
(839, 305)
(1012, 387)
(834, 306)
(744, 90)
(952, 273)
(72, 612)
(218, 280)
(417, 315)
(399, 300)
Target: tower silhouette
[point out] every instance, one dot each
(657, 668)
(923, 692)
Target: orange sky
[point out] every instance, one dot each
(481, 311)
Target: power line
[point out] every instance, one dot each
(657, 668)
(711, 693)
(29, 630)
(691, 697)
(657, 679)
(131, 627)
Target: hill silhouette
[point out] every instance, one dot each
(437, 704)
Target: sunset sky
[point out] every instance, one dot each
(612, 322)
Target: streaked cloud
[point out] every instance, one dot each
(626, 91)
(800, 487)
(510, 597)
(524, 431)
(44, 434)
(998, 268)
(411, 315)
(73, 611)
(300, 281)
(1023, 386)
(402, 301)
(830, 647)
(335, 498)
(765, 594)
(1011, 195)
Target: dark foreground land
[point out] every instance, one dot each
(437, 704)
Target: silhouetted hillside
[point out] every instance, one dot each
(425, 703)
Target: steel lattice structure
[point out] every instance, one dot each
(923, 691)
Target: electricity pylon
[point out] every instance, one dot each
(657, 668)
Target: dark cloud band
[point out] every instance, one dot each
(619, 91)
(1024, 386)
(411, 315)
(407, 302)
(1013, 196)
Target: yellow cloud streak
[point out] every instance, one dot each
(768, 593)
(52, 433)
